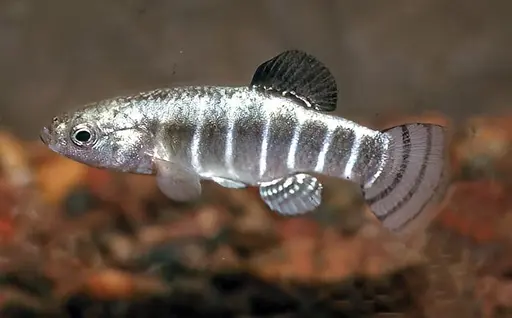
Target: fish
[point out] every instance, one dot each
(278, 133)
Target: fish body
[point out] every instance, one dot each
(275, 133)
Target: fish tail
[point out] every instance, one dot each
(413, 179)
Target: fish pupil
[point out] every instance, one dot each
(83, 136)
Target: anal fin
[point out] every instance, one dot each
(300, 76)
(228, 183)
(293, 195)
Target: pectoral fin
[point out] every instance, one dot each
(176, 181)
(293, 195)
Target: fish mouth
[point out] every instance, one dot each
(45, 136)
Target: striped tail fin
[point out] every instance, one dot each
(413, 180)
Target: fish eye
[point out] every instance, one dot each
(82, 135)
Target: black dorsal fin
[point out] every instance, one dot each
(301, 76)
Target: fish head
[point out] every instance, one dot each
(102, 135)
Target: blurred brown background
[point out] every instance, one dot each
(452, 56)
(67, 229)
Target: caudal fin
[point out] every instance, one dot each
(414, 178)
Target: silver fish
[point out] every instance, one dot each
(275, 133)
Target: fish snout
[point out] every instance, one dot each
(45, 135)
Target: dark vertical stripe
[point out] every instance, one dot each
(280, 137)
(339, 151)
(212, 138)
(369, 158)
(179, 136)
(247, 142)
(311, 137)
